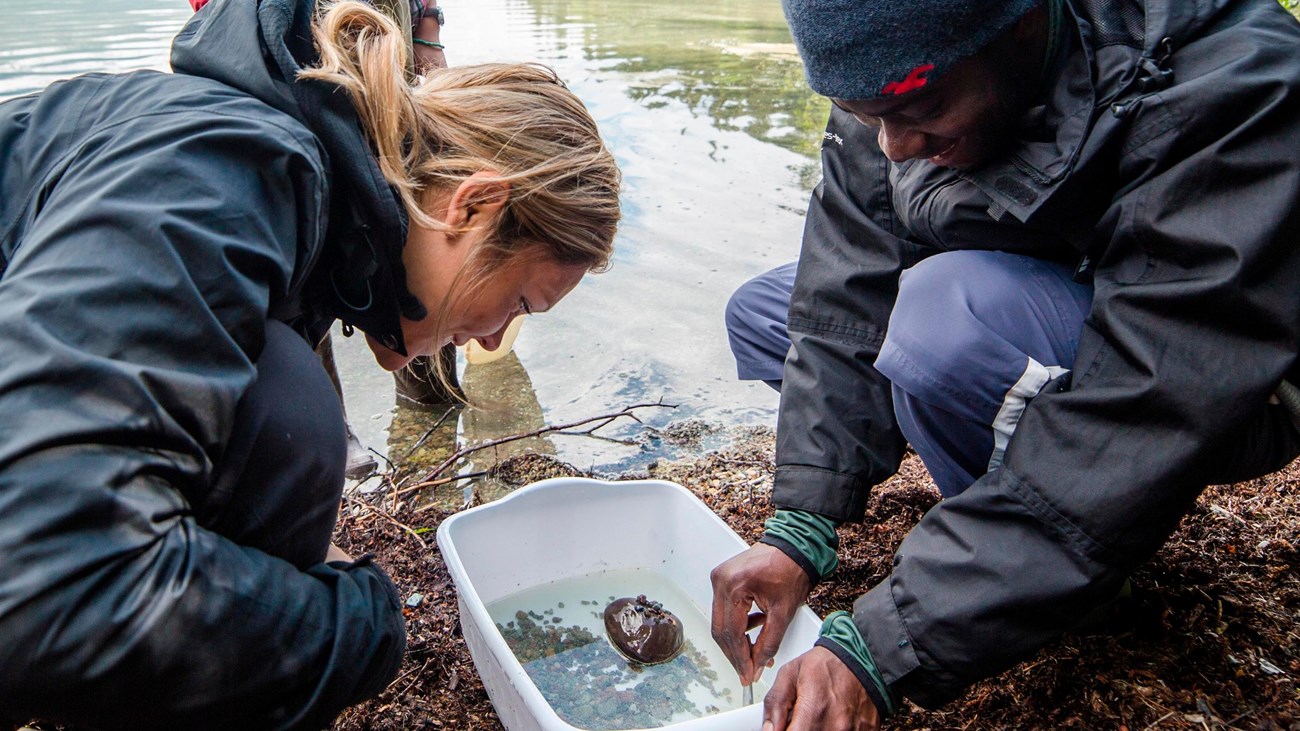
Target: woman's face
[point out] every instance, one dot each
(529, 282)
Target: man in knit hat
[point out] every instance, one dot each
(1054, 250)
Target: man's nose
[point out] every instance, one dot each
(901, 143)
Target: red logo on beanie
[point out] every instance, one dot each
(914, 80)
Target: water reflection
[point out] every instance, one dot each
(731, 61)
(41, 42)
(705, 108)
(502, 405)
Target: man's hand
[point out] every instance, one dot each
(765, 576)
(817, 692)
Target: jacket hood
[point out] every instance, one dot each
(259, 48)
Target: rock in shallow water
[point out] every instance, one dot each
(643, 631)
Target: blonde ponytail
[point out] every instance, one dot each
(517, 119)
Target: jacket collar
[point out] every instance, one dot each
(1114, 50)
(259, 49)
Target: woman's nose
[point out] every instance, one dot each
(901, 143)
(493, 341)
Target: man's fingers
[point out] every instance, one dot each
(768, 642)
(760, 575)
(780, 698)
(809, 714)
(726, 622)
(827, 695)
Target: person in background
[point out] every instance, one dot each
(421, 22)
(425, 19)
(172, 246)
(425, 381)
(1054, 249)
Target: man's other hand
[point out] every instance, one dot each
(817, 692)
(763, 576)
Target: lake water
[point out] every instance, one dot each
(705, 108)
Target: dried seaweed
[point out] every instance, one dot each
(1211, 640)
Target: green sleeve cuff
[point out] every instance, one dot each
(812, 535)
(840, 635)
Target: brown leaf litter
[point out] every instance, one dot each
(1210, 642)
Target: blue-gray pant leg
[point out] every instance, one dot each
(756, 317)
(973, 337)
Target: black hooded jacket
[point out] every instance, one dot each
(1165, 160)
(150, 224)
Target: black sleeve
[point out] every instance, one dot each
(130, 314)
(836, 433)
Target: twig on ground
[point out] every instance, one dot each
(1228, 513)
(602, 437)
(393, 482)
(380, 512)
(1158, 721)
(605, 419)
(391, 467)
(1249, 712)
(747, 462)
(442, 481)
(418, 673)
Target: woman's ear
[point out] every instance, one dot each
(478, 198)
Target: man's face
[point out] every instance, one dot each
(961, 120)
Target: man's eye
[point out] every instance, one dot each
(866, 119)
(930, 113)
(523, 305)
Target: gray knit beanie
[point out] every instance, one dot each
(864, 49)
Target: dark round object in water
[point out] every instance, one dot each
(643, 631)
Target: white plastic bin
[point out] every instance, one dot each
(569, 527)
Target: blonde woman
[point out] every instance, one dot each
(421, 22)
(171, 451)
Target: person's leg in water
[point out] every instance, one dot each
(756, 325)
(360, 463)
(416, 383)
(279, 483)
